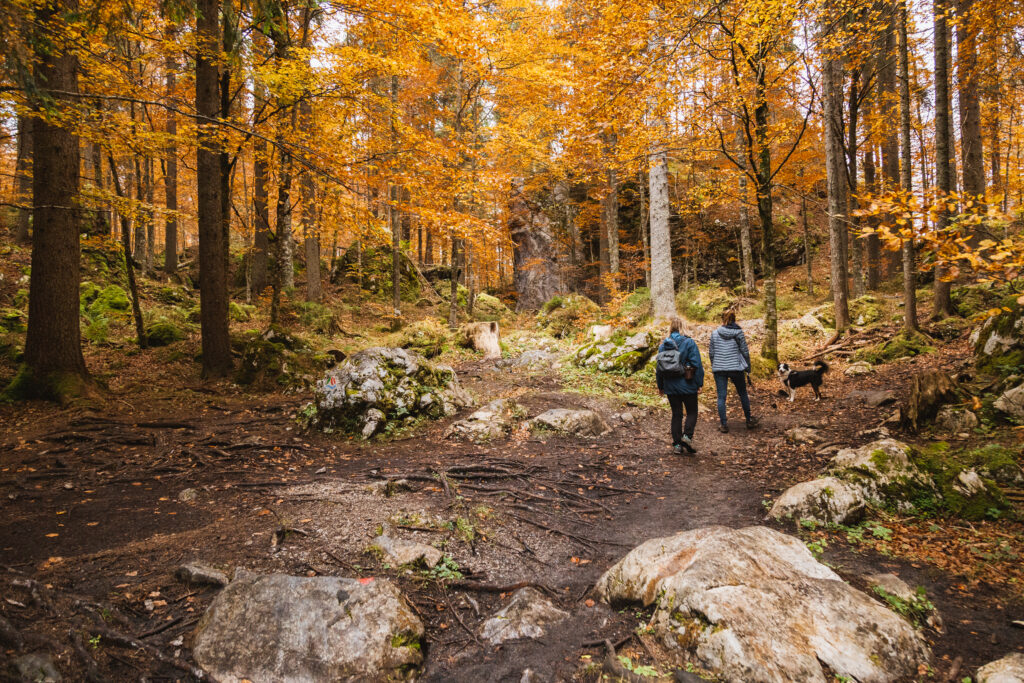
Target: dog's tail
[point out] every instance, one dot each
(821, 365)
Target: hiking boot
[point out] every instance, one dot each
(723, 428)
(688, 444)
(752, 422)
(677, 449)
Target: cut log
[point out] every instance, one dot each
(484, 337)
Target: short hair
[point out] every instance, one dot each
(675, 324)
(728, 317)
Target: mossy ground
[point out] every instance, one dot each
(568, 315)
(944, 464)
(904, 345)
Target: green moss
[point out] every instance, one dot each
(241, 313)
(1003, 364)
(564, 316)
(162, 332)
(428, 337)
(110, 300)
(903, 345)
(945, 464)
(705, 302)
(60, 387)
(315, 316)
(20, 298)
(97, 331)
(487, 308)
(12, 320)
(174, 296)
(636, 309)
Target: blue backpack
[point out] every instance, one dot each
(670, 361)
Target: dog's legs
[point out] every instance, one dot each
(817, 394)
(792, 394)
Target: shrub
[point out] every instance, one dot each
(429, 337)
(563, 316)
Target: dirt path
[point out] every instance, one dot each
(93, 506)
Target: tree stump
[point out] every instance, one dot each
(928, 392)
(484, 337)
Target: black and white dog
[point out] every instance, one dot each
(794, 379)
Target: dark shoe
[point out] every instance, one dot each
(688, 444)
(677, 449)
(752, 422)
(723, 428)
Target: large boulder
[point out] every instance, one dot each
(999, 341)
(1011, 401)
(273, 627)
(955, 420)
(753, 605)
(1009, 669)
(584, 423)
(826, 500)
(381, 386)
(883, 468)
(527, 615)
(492, 421)
(621, 353)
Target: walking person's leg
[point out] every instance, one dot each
(740, 381)
(676, 402)
(690, 401)
(721, 388)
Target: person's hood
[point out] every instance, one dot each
(729, 331)
(670, 344)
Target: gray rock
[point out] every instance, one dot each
(536, 358)
(878, 464)
(875, 399)
(968, 483)
(628, 355)
(894, 585)
(492, 421)
(804, 435)
(1009, 669)
(273, 627)
(399, 551)
(754, 605)
(826, 500)
(527, 615)
(188, 495)
(585, 423)
(198, 573)
(388, 487)
(36, 667)
(381, 385)
(1012, 402)
(955, 420)
(858, 368)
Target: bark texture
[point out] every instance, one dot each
(943, 305)
(535, 270)
(835, 168)
(663, 295)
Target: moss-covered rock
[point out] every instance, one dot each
(622, 354)
(904, 345)
(380, 388)
(567, 315)
(999, 341)
(865, 310)
(964, 481)
(241, 313)
(315, 316)
(277, 359)
(110, 300)
(487, 308)
(429, 337)
(175, 296)
(705, 302)
(163, 332)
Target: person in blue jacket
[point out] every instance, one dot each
(730, 362)
(681, 392)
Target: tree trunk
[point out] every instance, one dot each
(763, 177)
(807, 244)
(835, 168)
(746, 252)
(129, 268)
(644, 232)
(874, 247)
(890, 141)
(612, 222)
(171, 177)
(453, 301)
(23, 167)
(310, 230)
(856, 243)
(54, 366)
(943, 306)
(909, 257)
(213, 281)
(396, 215)
(261, 212)
(972, 158)
(139, 247)
(150, 215)
(663, 295)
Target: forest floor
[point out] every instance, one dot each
(94, 521)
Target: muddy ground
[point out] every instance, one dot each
(93, 522)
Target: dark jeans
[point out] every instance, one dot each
(739, 380)
(678, 402)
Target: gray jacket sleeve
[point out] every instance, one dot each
(741, 341)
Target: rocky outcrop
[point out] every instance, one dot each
(753, 605)
(1011, 402)
(382, 386)
(493, 421)
(955, 420)
(625, 354)
(999, 341)
(880, 472)
(1009, 669)
(585, 423)
(527, 615)
(534, 250)
(273, 627)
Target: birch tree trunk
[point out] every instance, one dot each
(746, 252)
(170, 173)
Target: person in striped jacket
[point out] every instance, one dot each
(730, 361)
